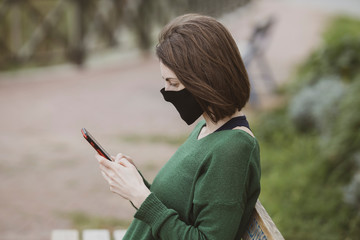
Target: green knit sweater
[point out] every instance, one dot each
(207, 190)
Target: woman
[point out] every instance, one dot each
(209, 187)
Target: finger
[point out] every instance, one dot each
(125, 162)
(130, 160)
(99, 158)
(119, 156)
(103, 161)
(103, 168)
(109, 181)
(120, 159)
(105, 176)
(122, 162)
(109, 176)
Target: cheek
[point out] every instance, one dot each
(167, 86)
(180, 87)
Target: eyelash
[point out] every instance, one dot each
(174, 84)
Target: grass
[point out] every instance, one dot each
(155, 139)
(81, 221)
(151, 165)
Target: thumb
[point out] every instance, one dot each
(122, 161)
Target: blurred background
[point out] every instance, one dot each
(69, 64)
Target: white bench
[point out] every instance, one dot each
(261, 227)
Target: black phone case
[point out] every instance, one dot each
(95, 144)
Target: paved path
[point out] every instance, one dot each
(346, 7)
(47, 169)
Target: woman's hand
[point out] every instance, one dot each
(124, 179)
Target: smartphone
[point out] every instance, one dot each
(95, 144)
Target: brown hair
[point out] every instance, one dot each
(204, 56)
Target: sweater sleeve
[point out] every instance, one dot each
(218, 202)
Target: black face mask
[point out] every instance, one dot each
(185, 103)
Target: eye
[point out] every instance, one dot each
(174, 84)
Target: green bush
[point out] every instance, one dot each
(303, 202)
(314, 107)
(340, 27)
(339, 55)
(310, 148)
(343, 145)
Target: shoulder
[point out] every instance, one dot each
(245, 129)
(198, 127)
(231, 159)
(200, 124)
(235, 141)
(233, 149)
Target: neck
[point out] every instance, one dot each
(211, 126)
